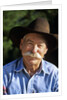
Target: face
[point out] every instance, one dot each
(33, 49)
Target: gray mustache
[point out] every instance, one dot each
(37, 55)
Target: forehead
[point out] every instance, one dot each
(34, 37)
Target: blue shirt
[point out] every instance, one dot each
(16, 80)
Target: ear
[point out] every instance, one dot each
(21, 43)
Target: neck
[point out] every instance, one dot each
(31, 69)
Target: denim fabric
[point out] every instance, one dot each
(16, 80)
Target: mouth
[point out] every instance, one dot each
(32, 58)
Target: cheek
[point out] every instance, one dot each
(43, 52)
(25, 48)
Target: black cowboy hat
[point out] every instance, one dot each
(39, 26)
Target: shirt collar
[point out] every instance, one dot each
(44, 67)
(20, 66)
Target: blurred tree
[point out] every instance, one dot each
(14, 18)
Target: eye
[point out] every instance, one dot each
(29, 43)
(40, 46)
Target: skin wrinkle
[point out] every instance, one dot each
(33, 45)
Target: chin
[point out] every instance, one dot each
(34, 62)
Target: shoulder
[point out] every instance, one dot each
(10, 66)
(50, 67)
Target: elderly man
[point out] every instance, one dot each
(31, 74)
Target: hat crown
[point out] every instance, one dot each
(41, 25)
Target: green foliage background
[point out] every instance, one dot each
(23, 18)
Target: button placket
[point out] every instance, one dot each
(30, 88)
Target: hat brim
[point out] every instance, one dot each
(17, 33)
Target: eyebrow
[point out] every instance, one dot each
(29, 40)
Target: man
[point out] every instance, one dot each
(31, 74)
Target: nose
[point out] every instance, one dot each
(35, 49)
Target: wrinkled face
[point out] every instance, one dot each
(33, 48)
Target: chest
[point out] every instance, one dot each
(20, 84)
